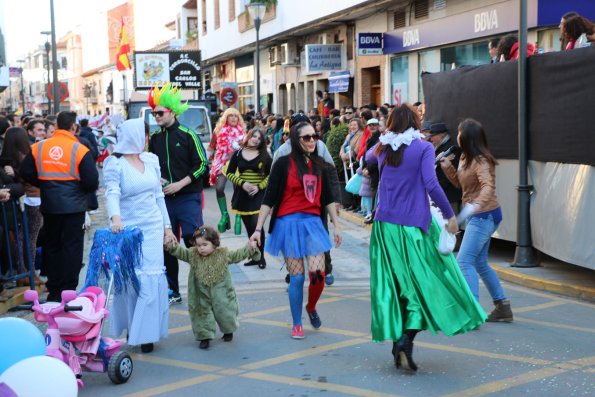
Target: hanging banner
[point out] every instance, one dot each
(338, 82)
(181, 68)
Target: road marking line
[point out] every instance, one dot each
(540, 374)
(312, 384)
(508, 383)
(546, 305)
(479, 353)
(175, 363)
(178, 311)
(550, 324)
(304, 353)
(231, 372)
(178, 330)
(327, 330)
(281, 308)
(547, 295)
(174, 386)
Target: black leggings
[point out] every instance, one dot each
(220, 185)
(250, 222)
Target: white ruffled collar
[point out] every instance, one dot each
(404, 138)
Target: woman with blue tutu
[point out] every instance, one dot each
(413, 287)
(300, 193)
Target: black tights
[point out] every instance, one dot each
(250, 222)
(220, 185)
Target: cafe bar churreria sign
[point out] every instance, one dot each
(181, 68)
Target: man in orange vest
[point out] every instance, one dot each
(65, 172)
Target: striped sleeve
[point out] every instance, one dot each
(198, 155)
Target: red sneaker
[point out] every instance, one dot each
(297, 332)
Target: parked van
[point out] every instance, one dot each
(196, 118)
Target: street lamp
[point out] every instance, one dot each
(48, 46)
(257, 11)
(22, 62)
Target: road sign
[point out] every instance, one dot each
(62, 92)
(229, 96)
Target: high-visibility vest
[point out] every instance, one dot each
(58, 157)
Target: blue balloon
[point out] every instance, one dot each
(19, 339)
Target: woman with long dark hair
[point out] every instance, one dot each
(476, 176)
(300, 193)
(413, 287)
(16, 146)
(248, 170)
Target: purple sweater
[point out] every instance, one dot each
(403, 191)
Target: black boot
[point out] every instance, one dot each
(227, 337)
(204, 344)
(146, 347)
(403, 353)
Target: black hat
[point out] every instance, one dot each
(438, 128)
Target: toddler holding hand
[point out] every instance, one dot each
(211, 295)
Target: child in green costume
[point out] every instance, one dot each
(211, 295)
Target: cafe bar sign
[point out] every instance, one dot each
(320, 58)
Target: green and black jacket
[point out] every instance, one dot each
(180, 154)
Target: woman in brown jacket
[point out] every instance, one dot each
(476, 176)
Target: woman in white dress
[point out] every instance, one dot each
(134, 198)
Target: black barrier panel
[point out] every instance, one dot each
(485, 93)
(561, 94)
(16, 260)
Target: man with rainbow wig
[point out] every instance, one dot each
(183, 162)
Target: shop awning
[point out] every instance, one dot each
(338, 81)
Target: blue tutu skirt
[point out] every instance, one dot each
(298, 235)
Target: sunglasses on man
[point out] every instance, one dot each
(160, 113)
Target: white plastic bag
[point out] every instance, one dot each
(446, 241)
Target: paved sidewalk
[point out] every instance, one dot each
(551, 275)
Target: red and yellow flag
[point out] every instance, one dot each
(122, 61)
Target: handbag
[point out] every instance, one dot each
(354, 184)
(446, 240)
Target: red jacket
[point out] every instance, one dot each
(514, 51)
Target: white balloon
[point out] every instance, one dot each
(41, 376)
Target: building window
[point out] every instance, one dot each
(429, 61)
(399, 19)
(421, 9)
(245, 96)
(472, 54)
(204, 16)
(400, 79)
(192, 26)
(217, 14)
(232, 10)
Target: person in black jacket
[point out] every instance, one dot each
(65, 176)
(442, 142)
(183, 162)
(87, 133)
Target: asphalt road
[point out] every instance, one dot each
(547, 351)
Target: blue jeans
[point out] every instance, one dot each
(473, 257)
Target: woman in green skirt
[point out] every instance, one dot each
(413, 287)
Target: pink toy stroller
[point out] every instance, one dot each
(74, 334)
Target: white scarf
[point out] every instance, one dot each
(404, 138)
(131, 137)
